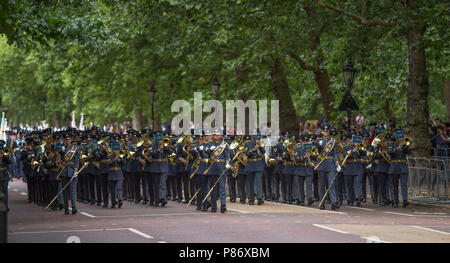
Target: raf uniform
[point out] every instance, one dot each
(201, 161)
(219, 157)
(279, 179)
(103, 170)
(72, 160)
(304, 171)
(5, 162)
(353, 172)
(329, 166)
(398, 169)
(115, 175)
(159, 168)
(289, 172)
(380, 171)
(255, 167)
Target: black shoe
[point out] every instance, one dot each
(60, 206)
(74, 211)
(382, 203)
(284, 201)
(120, 203)
(113, 205)
(251, 202)
(163, 202)
(375, 201)
(54, 208)
(310, 202)
(364, 200)
(213, 210)
(328, 202)
(301, 203)
(198, 208)
(322, 207)
(185, 201)
(395, 205)
(180, 200)
(276, 200)
(92, 203)
(66, 212)
(204, 209)
(145, 202)
(334, 206)
(223, 209)
(105, 205)
(297, 202)
(289, 202)
(232, 200)
(260, 202)
(388, 202)
(151, 203)
(358, 203)
(405, 204)
(156, 204)
(137, 201)
(242, 201)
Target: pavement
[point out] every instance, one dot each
(242, 223)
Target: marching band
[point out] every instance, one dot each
(101, 168)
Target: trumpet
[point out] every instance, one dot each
(166, 142)
(6, 151)
(122, 153)
(407, 141)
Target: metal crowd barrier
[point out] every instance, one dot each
(428, 178)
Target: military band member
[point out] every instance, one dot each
(367, 176)
(4, 163)
(398, 169)
(159, 168)
(182, 174)
(278, 176)
(381, 169)
(72, 160)
(327, 165)
(353, 170)
(255, 166)
(103, 170)
(304, 170)
(171, 175)
(115, 175)
(201, 159)
(289, 170)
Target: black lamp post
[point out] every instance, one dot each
(152, 93)
(215, 87)
(348, 103)
(43, 102)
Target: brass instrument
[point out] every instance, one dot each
(379, 142)
(407, 141)
(166, 142)
(362, 146)
(144, 141)
(6, 151)
(241, 159)
(122, 153)
(236, 142)
(172, 157)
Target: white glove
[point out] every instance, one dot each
(321, 142)
(212, 148)
(369, 166)
(227, 166)
(201, 148)
(75, 175)
(339, 168)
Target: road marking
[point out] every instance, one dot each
(374, 240)
(22, 193)
(329, 228)
(403, 214)
(15, 190)
(162, 242)
(310, 208)
(362, 208)
(139, 233)
(433, 230)
(88, 215)
(72, 230)
(145, 215)
(240, 211)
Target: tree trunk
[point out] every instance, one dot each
(288, 117)
(323, 82)
(56, 118)
(418, 110)
(446, 88)
(138, 119)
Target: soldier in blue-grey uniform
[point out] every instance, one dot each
(159, 167)
(398, 169)
(279, 179)
(103, 169)
(237, 162)
(304, 169)
(115, 175)
(54, 159)
(171, 175)
(197, 170)
(4, 163)
(289, 170)
(255, 166)
(182, 173)
(134, 166)
(219, 157)
(353, 169)
(71, 159)
(147, 176)
(381, 167)
(368, 169)
(327, 165)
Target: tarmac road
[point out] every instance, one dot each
(269, 223)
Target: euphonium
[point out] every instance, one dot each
(6, 151)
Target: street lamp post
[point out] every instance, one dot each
(152, 93)
(348, 103)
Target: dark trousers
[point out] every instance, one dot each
(115, 187)
(366, 177)
(403, 179)
(375, 186)
(147, 187)
(183, 181)
(289, 185)
(202, 186)
(341, 187)
(243, 181)
(232, 186)
(349, 183)
(53, 191)
(283, 182)
(302, 180)
(105, 187)
(171, 186)
(382, 177)
(91, 186)
(156, 182)
(137, 177)
(267, 189)
(276, 186)
(215, 191)
(69, 192)
(98, 187)
(316, 185)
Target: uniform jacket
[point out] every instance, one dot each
(328, 165)
(255, 158)
(219, 165)
(398, 157)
